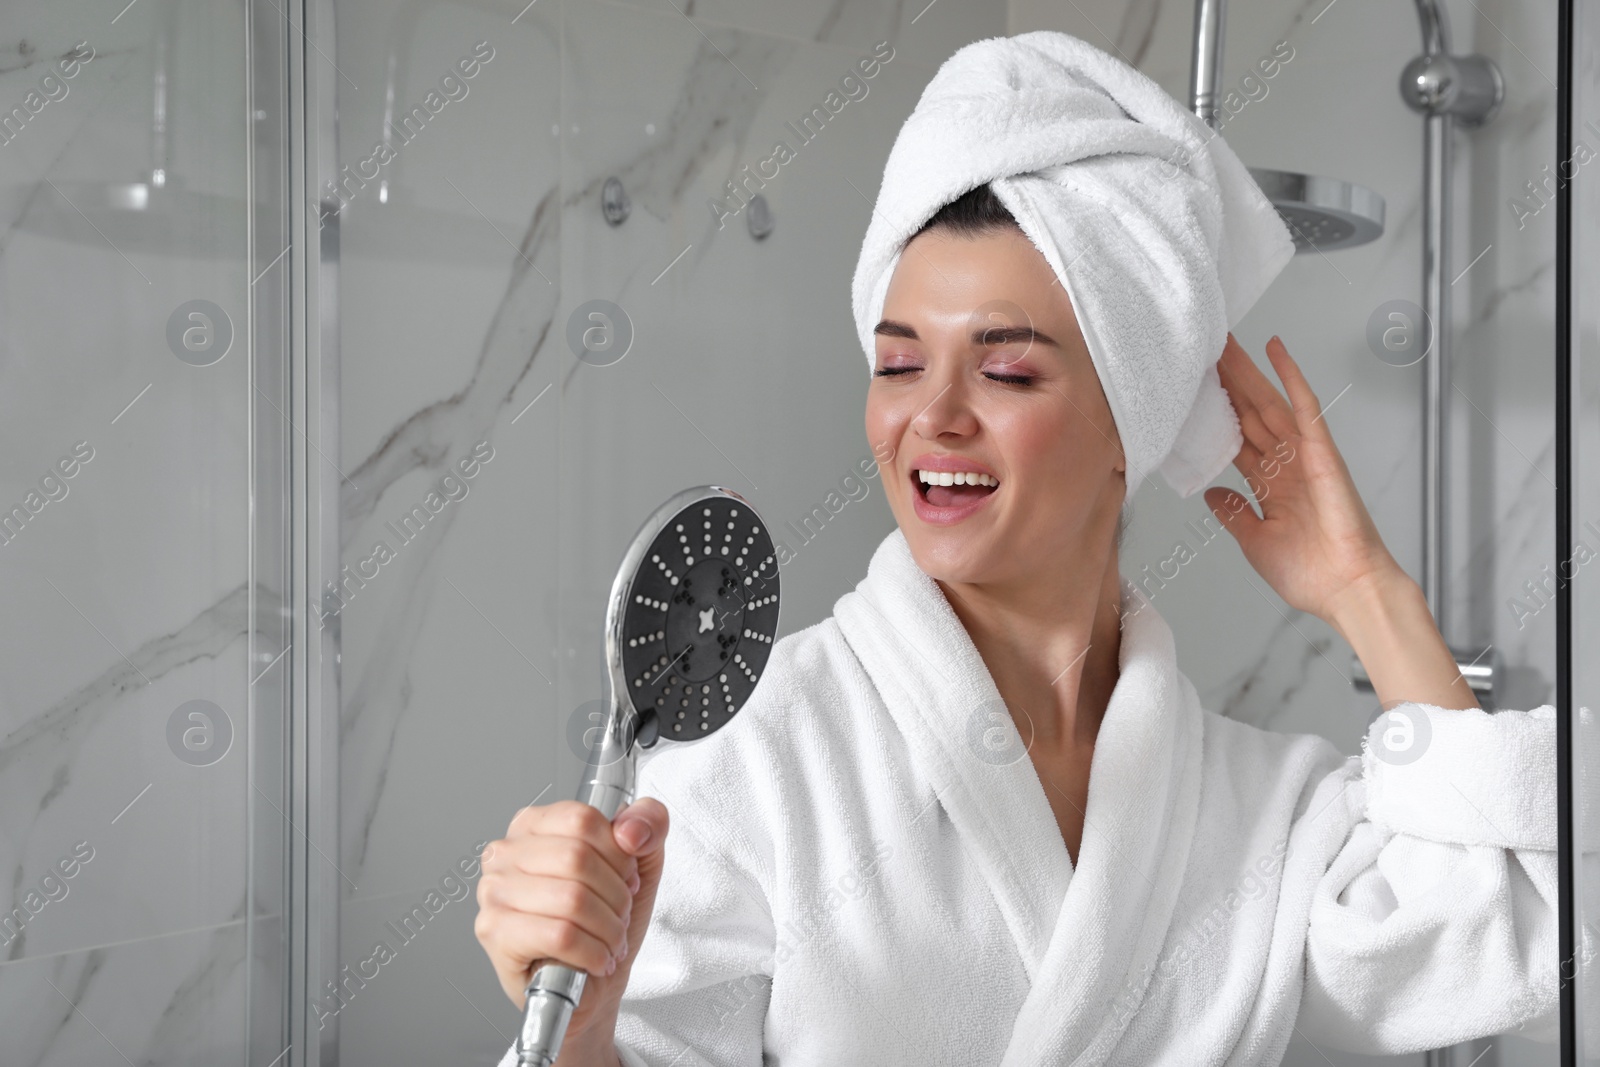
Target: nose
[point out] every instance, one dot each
(945, 411)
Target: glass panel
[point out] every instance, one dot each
(143, 532)
(1585, 540)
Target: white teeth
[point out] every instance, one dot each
(956, 478)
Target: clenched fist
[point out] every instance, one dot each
(566, 885)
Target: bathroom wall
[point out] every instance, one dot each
(1335, 109)
(472, 244)
(472, 653)
(140, 887)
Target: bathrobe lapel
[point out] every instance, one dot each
(945, 704)
(1088, 938)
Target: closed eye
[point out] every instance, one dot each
(1010, 379)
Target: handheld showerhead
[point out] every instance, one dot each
(692, 616)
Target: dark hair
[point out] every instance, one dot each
(974, 212)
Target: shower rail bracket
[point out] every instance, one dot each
(1469, 89)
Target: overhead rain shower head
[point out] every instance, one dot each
(1323, 214)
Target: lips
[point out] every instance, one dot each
(947, 489)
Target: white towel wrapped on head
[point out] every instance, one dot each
(1158, 233)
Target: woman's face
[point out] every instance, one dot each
(981, 368)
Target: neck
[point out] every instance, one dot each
(1051, 644)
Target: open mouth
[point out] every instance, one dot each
(953, 489)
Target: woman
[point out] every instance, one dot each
(978, 815)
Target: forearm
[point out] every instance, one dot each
(593, 1046)
(1388, 624)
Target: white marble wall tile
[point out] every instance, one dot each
(133, 581)
(436, 1000)
(176, 1000)
(447, 292)
(924, 31)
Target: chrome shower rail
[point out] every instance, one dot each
(1445, 89)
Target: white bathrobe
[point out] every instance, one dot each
(863, 868)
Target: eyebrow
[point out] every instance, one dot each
(992, 335)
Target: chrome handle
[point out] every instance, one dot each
(555, 989)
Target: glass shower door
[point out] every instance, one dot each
(141, 534)
(1579, 636)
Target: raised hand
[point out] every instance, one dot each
(1314, 541)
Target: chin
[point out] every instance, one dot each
(951, 554)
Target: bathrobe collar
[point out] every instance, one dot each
(1072, 928)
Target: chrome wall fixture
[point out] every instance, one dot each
(616, 205)
(758, 216)
(1445, 89)
(614, 202)
(1326, 214)
(1323, 214)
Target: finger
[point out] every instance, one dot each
(1255, 431)
(519, 941)
(1231, 508)
(557, 898)
(1258, 440)
(1250, 421)
(641, 827)
(552, 856)
(1273, 409)
(569, 818)
(525, 821)
(1248, 460)
(1307, 408)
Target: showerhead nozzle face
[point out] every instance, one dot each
(1323, 214)
(699, 615)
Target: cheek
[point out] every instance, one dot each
(1057, 453)
(885, 421)
(1034, 438)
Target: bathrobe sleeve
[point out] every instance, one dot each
(701, 981)
(1435, 921)
(697, 995)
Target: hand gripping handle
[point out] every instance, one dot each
(556, 989)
